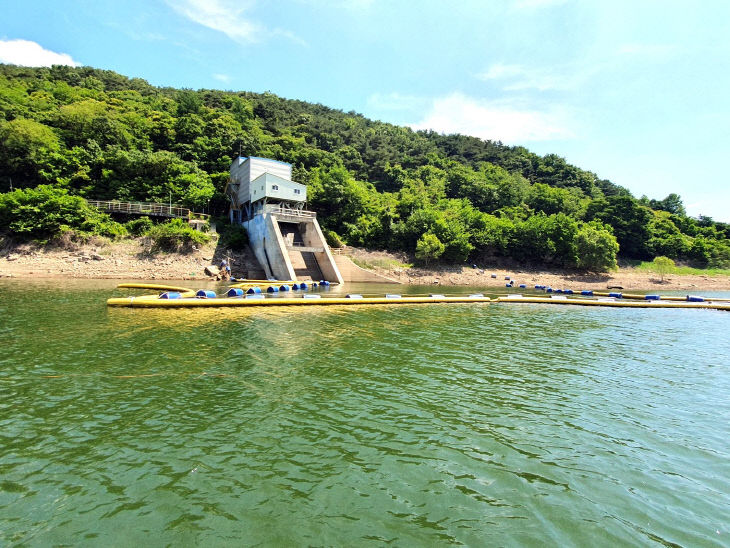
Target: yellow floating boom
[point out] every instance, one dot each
(618, 303)
(153, 301)
(155, 286)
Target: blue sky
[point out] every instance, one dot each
(635, 91)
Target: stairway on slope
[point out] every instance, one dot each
(304, 263)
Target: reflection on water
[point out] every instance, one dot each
(410, 425)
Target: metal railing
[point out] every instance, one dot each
(143, 208)
(282, 211)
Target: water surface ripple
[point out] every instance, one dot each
(409, 425)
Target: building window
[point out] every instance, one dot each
(297, 191)
(274, 187)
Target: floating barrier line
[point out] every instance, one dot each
(618, 303)
(153, 301)
(235, 297)
(154, 286)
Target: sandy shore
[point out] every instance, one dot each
(130, 260)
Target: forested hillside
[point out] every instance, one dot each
(82, 132)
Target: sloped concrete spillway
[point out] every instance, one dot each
(290, 245)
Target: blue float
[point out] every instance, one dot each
(272, 289)
(652, 297)
(695, 299)
(171, 295)
(587, 292)
(284, 287)
(205, 294)
(548, 289)
(523, 286)
(253, 290)
(234, 292)
(616, 295)
(295, 287)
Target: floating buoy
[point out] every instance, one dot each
(549, 289)
(523, 286)
(205, 294)
(252, 291)
(695, 299)
(587, 292)
(272, 289)
(568, 291)
(303, 285)
(237, 292)
(284, 287)
(295, 287)
(171, 295)
(652, 297)
(616, 295)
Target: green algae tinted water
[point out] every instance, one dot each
(430, 425)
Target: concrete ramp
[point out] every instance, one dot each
(289, 244)
(353, 273)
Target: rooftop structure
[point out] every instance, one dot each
(256, 182)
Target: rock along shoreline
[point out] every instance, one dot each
(131, 261)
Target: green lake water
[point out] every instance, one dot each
(409, 425)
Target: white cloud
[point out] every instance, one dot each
(496, 120)
(519, 77)
(32, 54)
(226, 16)
(225, 78)
(231, 17)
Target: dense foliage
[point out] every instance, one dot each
(96, 134)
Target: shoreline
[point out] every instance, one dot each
(131, 261)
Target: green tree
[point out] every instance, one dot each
(662, 266)
(596, 247)
(428, 248)
(629, 220)
(26, 150)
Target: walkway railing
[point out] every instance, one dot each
(143, 208)
(281, 211)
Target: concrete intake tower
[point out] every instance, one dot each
(284, 236)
